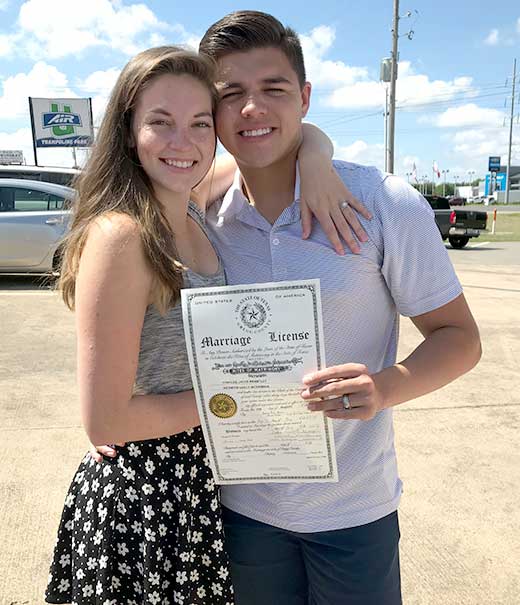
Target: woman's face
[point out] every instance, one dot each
(174, 134)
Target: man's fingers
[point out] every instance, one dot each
(347, 370)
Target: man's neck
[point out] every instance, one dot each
(270, 189)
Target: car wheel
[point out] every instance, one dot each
(458, 241)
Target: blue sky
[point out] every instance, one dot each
(452, 78)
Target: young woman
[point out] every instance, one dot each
(144, 527)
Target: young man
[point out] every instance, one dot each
(334, 543)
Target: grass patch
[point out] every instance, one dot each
(507, 228)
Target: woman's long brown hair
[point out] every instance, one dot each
(114, 181)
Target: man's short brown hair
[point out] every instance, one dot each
(247, 30)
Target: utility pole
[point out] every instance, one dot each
(510, 133)
(393, 79)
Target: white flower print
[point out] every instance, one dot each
(87, 526)
(154, 598)
(167, 507)
(122, 549)
(77, 514)
(64, 585)
(206, 560)
(185, 556)
(196, 537)
(194, 575)
(99, 588)
(162, 529)
(79, 477)
(80, 574)
(154, 579)
(177, 492)
(133, 450)
(129, 474)
(210, 484)
(182, 517)
(181, 577)
(216, 588)
(90, 506)
(148, 512)
(103, 560)
(201, 592)
(121, 508)
(217, 545)
(124, 568)
(121, 528)
(95, 485)
(194, 501)
(183, 448)
(149, 466)
(98, 536)
(81, 548)
(102, 512)
(163, 451)
(193, 472)
(65, 560)
(204, 520)
(138, 588)
(223, 572)
(149, 535)
(85, 488)
(140, 567)
(148, 489)
(108, 490)
(214, 504)
(131, 494)
(167, 565)
(88, 590)
(197, 449)
(137, 527)
(69, 525)
(91, 563)
(107, 471)
(163, 486)
(69, 500)
(159, 552)
(206, 460)
(116, 583)
(179, 470)
(218, 525)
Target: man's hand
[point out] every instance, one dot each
(98, 451)
(330, 384)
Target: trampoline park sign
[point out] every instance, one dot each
(61, 122)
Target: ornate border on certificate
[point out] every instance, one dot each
(190, 297)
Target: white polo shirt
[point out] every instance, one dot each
(403, 269)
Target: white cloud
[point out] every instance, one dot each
(42, 81)
(518, 25)
(492, 38)
(352, 87)
(4, 4)
(75, 26)
(361, 152)
(469, 115)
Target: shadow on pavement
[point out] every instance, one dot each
(26, 282)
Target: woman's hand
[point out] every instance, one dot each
(323, 194)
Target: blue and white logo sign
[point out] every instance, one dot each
(62, 122)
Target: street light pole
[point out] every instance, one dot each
(508, 170)
(444, 172)
(393, 79)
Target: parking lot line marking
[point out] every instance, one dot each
(478, 245)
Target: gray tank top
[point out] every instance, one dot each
(163, 365)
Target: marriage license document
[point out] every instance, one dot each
(249, 347)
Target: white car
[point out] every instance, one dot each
(34, 217)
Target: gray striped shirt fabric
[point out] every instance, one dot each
(403, 269)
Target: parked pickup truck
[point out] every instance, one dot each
(457, 226)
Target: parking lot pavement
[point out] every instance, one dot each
(457, 450)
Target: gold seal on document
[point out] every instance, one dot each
(223, 406)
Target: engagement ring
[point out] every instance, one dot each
(346, 402)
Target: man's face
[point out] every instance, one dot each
(261, 106)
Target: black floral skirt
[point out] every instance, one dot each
(143, 528)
